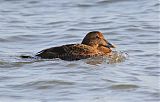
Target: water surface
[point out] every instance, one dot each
(28, 26)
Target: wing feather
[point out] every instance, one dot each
(68, 52)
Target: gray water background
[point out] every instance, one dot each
(28, 26)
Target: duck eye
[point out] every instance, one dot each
(97, 36)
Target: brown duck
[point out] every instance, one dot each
(93, 44)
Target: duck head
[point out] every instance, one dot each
(96, 39)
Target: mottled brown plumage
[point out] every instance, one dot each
(93, 44)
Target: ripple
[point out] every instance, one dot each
(85, 5)
(46, 84)
(18, 38)
(17, 99)
(10, 65)
(91, 23)
(22, 38)
(56, 22)
(147, 55)
(135, 50)
(123, 87)
(33, 2)
(112, 1)
(148, 42)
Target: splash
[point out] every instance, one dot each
(114, 57)
(117, 57)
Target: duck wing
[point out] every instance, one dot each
(68, 52)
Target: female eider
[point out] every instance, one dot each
(94, 44)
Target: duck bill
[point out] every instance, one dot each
(109, 45)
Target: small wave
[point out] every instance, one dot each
(156, 5)
(3, 40)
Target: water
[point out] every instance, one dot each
(28, 26)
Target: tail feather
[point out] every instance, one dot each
(25, 56)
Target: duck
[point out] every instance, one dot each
(93, 44)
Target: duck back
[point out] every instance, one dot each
(68, 52)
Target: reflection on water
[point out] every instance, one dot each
(131, 73)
